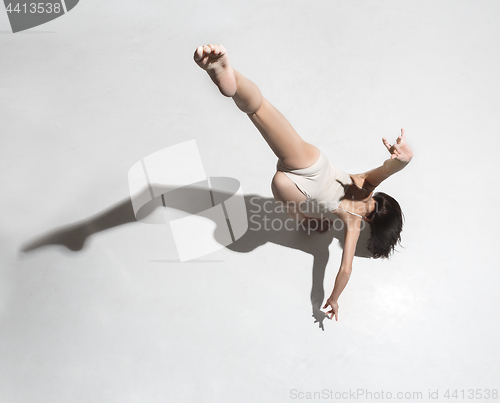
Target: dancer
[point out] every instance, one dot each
(304, 176)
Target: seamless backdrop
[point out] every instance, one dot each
(119, 319)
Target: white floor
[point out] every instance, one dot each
(86, 96)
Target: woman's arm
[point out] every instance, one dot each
(401, 155)
(352, 231)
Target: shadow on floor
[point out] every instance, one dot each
(261, 212)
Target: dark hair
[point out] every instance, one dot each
(386, 223)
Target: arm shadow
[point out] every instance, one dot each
(267, 223)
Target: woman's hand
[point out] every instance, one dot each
(400, 150)
(334, 308)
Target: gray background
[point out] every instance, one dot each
(87, 95)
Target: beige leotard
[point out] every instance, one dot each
(323, 184)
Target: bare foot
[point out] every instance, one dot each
(214, 59)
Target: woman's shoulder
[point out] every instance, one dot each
(351, 222)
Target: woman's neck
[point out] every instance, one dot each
(355, 206)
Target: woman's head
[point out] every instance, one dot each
(386, 223)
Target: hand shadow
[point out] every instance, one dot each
(265, 217)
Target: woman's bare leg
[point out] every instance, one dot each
(288, 146)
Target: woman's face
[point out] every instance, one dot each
(372, 205)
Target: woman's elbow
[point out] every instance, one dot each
(346, 269)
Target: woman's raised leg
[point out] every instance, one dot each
(287, 145)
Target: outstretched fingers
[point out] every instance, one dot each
(386, 144)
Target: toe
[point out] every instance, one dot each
(198, 54)
(222, 49)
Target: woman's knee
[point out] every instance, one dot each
(278, 184)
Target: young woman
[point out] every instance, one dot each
(304, 174)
